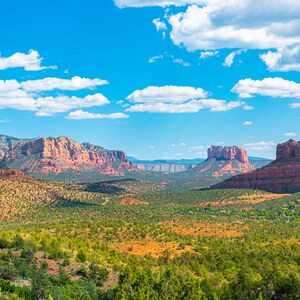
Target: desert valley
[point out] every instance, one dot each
(150, 150)
(82, 222)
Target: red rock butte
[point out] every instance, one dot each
(56, 155)
(224, 161)
(228, 153)
(280, 176)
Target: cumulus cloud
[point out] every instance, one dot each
(247, 123)
(30, 62)
(216, 24)
(12, 97)
(84, 115)
(162, 3)
(49, 106)
(173, 94)
(206, 54)
(192, 106)
(50, 83)
(261, 146)
(272, 87)
(283, 60)
(238, 24)
(176, 99)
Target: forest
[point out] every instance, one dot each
(131, 240)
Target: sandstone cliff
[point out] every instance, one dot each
(281, 176)
(57, 155)
(226, 161)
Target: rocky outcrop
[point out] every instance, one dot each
(228, 153)
(226, 161)
(281, 176)
(57, 155)
(288, 151)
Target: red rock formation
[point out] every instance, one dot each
(55, 155)
(226, 161)
(228, 153)
(281, 176)
(288, 150)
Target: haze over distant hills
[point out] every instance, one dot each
(180, 165)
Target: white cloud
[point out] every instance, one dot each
(207, 54)
(283, 60)
(159, 25)
(181, 62)
(238, 24)
(176, 99)
(84, 115)
(49, 106)
(153, 59)
(30, 62)
(171, 94)
(230, 58)
(248, 107)
(21, 103)
(50, 83)
(247, 123)
(182, 144)
(160, 107)
(290, 134)
(216, 24)
(261, 146)
(152, 147)
(294, 105)
(272, 87)
(162, 3)
(192, 106)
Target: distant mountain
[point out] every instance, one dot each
(166, 166)
(174, 165)
(56, 156)
(280, 176)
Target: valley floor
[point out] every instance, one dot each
(121, 241)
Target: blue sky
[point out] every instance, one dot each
(156, 78)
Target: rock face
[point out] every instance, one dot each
(6, 142)
(228, 153)
(227, 161)
(57, 155)
(289, 150)
(280, 176)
